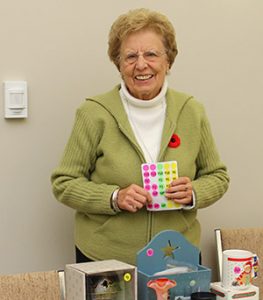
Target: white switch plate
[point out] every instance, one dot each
(15, 96)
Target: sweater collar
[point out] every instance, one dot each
(111, 101)
(175, 102)
(141, 103)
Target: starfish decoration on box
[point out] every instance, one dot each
(169, 249)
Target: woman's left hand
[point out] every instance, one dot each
(181, 191)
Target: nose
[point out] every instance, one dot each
(141, 63)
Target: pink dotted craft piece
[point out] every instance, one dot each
(157, 177)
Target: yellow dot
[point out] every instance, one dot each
(174, 165)
(127, 277)
(170, 204)
(166, 166)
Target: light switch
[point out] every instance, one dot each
(16, 102)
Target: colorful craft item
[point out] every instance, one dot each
(157, 177)
(161, 287)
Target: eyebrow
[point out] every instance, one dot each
(136, 51)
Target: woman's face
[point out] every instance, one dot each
(143, 64)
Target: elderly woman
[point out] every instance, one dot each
(140, 120)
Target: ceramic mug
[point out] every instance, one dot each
(239, 267)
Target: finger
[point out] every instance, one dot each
(136, 199)
(142, 192)
(132, 204)
(179, 188)
(134, 207)
(129, 206)
(142, 198)
(137, 192)
(181, 180)
(176, 195)
(184, 201)
(179, 192)
(133, 198)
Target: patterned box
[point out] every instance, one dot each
(101, 280)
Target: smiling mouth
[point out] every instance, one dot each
(143, 77)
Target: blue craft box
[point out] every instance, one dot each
(177, 260)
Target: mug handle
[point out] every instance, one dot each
(255, 266)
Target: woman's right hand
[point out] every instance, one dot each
(133, 198)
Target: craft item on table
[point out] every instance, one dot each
(238, 268)
(101, 280)
(156, 179)
(222, 293)
(161, 259)
(161, 287)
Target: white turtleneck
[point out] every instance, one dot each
(147, 119)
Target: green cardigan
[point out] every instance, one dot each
(102, 154)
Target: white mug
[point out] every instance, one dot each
(239, 267)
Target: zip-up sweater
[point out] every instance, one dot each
(102, 154)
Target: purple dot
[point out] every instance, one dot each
(155, 193)
(147, 187)
(146, 174)
(156, 205)
(150, 205)
(153, 173)
(147, 180)
(145, 167)
(152, 167)
(154, 186)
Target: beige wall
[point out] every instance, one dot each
(59, 48)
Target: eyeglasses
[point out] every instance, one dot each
(149, 56)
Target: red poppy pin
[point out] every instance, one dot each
(174, 141)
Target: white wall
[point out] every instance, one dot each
(60, 49)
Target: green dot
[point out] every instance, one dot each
(192, 283)
(163, 205)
